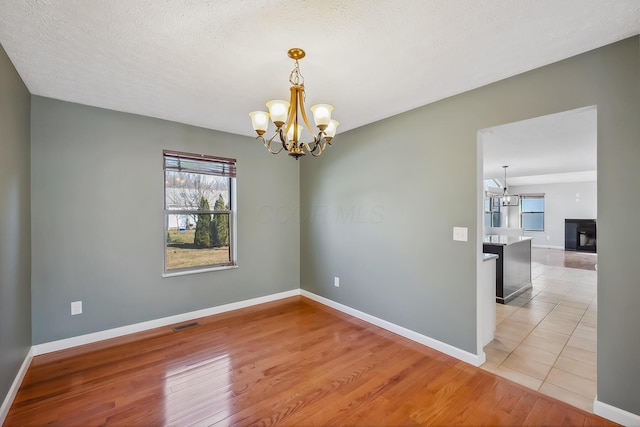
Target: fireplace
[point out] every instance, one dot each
(580, 235)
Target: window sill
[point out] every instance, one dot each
(202, 270)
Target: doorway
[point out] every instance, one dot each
(545, 339)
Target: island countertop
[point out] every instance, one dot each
(489, 257)
(502, 240)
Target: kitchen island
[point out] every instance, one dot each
(513, 266)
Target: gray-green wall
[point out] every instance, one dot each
(97, 218)
(380, 207)
(15, 224)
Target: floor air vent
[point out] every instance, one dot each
(185, 326)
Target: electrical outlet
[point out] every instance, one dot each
(460, 234)
(336, 282)
(76, 308)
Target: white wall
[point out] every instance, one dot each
(561, 201)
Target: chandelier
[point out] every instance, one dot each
(288, 118)
(508, 200)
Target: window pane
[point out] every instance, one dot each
(533, 221)
(495, 204)
(186, 191)
(197, 240)
(495, 219)
(492, 183)
(533, 204)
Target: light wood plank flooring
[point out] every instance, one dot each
(291, 362)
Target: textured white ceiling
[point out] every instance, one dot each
(210, 62)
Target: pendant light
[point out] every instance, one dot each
(508, 199)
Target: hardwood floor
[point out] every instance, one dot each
(290, 362)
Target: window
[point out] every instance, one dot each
(199, 212)
(492, 183)
(532, 212)
(491, 210)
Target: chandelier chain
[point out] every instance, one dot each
(296, 77)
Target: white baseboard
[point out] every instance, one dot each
(66, 343)
(156, 323)
(13, 390)
(614, 414)
(445, 348)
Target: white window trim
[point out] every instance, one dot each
(544, 211)
(233, 249)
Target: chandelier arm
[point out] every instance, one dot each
(307, 147)
(283, 140)
(320, 141)
(320, 148)
(267, 144)
(317, 140)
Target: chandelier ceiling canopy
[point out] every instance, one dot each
(289, 118)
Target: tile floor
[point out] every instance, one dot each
(546, 338)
